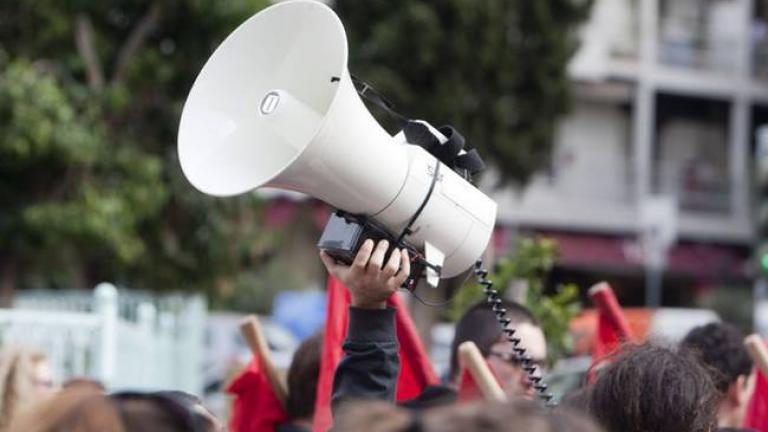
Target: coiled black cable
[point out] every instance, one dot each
(494, 300)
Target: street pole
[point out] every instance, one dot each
(653, 286)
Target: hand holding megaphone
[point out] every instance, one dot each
(275, 106)
(374, 276)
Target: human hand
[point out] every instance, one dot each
(369, 281)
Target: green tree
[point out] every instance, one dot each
(90, 185)
(496, 70)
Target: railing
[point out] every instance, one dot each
(707, 193)
(124, 339)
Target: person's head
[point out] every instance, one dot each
(194, 405)
(87, 409)
(515, 416)
(302, 379)
(480, 325)
(654, 388)
(25, 379)
(721, 347)
(577, 400)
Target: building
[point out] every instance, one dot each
(668, 94)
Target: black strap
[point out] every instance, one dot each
(448, 150)
(470, 161)
(371, 95)
(418, 133)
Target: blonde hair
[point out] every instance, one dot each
(17, 382)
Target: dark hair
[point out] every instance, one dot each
(577, 400)
(479, 325)
(302, 378)
(721, 347)
(164, 411)
(654, 388)
(518, 415)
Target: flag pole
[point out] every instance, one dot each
(253, 334)
(758, 352)
(472, 360)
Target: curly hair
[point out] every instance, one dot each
(721, 347)
(654, 388)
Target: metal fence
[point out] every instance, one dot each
(125, 339)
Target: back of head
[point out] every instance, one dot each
(516, 416)
(577, 400)
(654, 388)
(480, 325)
(169, 411)
(75, 409)
(302, 378)
(721, 347)
(87, 409)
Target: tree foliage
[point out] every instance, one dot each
(90, 186)
(496, 70)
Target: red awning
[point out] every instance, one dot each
(701, 260)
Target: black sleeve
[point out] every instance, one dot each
(371, 364)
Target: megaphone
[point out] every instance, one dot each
(275, 106)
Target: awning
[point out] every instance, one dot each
(702, 260)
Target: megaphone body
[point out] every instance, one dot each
(275, 106)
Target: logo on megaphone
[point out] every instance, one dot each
(275, 106)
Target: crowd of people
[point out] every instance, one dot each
(702, 385)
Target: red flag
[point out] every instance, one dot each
(336, 321)
(612, 325)
(416, 372)
(256, 407)
(757, 411)
(469, 391)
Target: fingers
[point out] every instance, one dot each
(363, 255)
(377, 258)
(330, 263)
(393, 264)
(405, 268)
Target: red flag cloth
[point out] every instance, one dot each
(337, 318)
(256, 407)
(612, 325)
(468, 388)
(757, 411)
(416, 372)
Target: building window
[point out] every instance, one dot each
(700, 34)
(691, 153)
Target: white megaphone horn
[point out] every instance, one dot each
(275, 106)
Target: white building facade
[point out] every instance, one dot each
(667, 97)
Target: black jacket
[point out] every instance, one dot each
(370, 367)
(371, 364)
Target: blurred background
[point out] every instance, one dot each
(628, 141)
